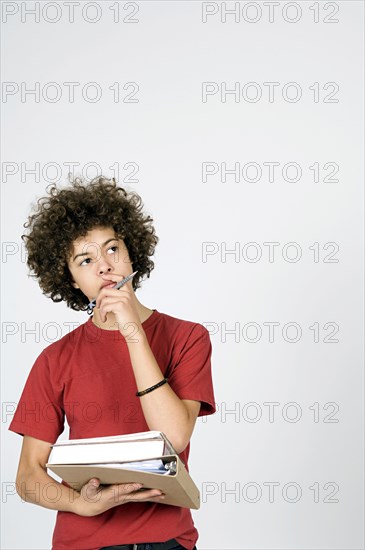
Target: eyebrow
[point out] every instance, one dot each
(87, 253)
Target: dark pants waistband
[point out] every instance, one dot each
(172, 543)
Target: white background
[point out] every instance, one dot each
(169, 132)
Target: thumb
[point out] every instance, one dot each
(90, 489)
(95, 482)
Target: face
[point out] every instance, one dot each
(96, 258)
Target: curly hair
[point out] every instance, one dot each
(69, 213)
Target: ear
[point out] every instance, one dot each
(75, 285)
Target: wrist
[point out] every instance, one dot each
(75, 502)
(137, 337)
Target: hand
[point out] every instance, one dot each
(122, 303)
(94, 500)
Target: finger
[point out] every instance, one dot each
(103, 293)
(125, 488)
(147, 494)
(123, 492)
(129, 487)
(128, 286)
(109, 305)
(114, 300)
(116, 295)
(125, 288)
(135, 489)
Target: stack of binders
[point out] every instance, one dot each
(145, 457)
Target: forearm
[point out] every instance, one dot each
(162, 408)
(37, 487)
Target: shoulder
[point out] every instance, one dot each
(182, 332)
(181, 326)
(66, 343)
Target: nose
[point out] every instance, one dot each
(105, 264)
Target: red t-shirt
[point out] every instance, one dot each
(87, 377)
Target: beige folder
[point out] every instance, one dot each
(179, 488)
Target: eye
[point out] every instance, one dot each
(89, 259)
(86, 259)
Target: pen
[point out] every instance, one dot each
(92, 304)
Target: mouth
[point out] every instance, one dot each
(108, 284)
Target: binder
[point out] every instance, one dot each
(178, 486)
(95, 447)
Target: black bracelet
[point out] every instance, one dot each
(139, 393)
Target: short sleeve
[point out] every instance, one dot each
(191, 376)
(39, 412)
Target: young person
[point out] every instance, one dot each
(82, 240)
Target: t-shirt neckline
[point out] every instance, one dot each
(104, 334)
